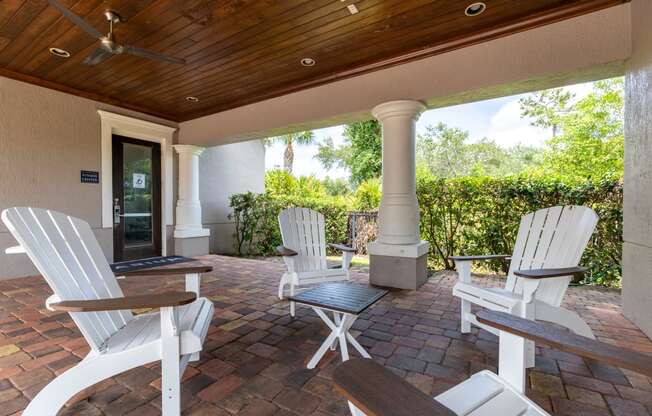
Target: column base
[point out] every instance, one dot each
(191, 246)
(398, 266)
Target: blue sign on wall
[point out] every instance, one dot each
(88, 176)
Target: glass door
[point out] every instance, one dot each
(136, 199)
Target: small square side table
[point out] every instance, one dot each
(346, 301)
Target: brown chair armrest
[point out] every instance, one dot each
(155, 300)
(379, 392)
(478, 258)
(342, 247)
(546, 273)
(284, 251)
(172, 269)
(546, 334)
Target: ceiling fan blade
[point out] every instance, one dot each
(97, 56)
(134, 50)
(78, 21)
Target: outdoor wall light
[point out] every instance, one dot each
(61, 53)
(308, 62)
(475, 9)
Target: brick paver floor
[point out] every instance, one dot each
(254, 355)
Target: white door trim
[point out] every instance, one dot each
(143, 130)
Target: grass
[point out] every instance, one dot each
(358, 260)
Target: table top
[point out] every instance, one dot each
(341, 297)
(158, 266)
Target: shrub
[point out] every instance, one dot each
(367, 196)
(255, 217)
(475, 215)
(481, 216)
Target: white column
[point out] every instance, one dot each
(398, 257)
(398, 218)
(188, 213)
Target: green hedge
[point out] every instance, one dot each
(482, 215)
(256, 220)
(458, 216)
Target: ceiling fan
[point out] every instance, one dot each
(108, 45)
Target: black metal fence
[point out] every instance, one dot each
(360, 225)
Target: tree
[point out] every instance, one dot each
(447, 153)
(361, 153)
(589, 140)
(336, 187)
(289, 140)
(546, 108)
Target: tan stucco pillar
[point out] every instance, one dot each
(398, 257)
(637, 227)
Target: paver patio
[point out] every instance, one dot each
(254, 355)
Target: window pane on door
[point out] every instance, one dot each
(137, 195)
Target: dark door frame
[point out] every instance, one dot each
(118, 178)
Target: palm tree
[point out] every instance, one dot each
(289, 140)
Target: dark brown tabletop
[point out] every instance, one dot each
(168, 265)
(341, 297)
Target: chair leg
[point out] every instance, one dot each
(281, 285)
(355, 411)
(170, 369)
(53, 396)
(465, 309)
(292, 305)
(89, 371)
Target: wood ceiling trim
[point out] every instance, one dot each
(233, 47)
(131, 33)
(84, 94)
(533, 21)
(207, 36)
(330, 43)
(245, 59)
(81, 44)
(336, 28)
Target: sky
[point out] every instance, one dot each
(498, 119)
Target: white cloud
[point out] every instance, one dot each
(508, 129)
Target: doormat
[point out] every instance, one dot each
(132, 265)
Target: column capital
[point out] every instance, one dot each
(188, 149)
(399, 108)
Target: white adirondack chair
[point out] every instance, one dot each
(304, 252)
(67, 254)
(373, 390)
(548, 248)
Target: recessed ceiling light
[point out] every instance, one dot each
(192, 99)
(307, 62)
(475, 9)
(62, 53)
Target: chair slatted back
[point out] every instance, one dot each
(303, 230)
(552, 237)
(67, 254)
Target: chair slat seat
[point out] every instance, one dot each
(486, 394)
(146, 328)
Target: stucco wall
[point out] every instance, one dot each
(585, 48)
(46, 138)
(637, 250)
(223, 171)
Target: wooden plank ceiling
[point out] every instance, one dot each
(242, 51)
